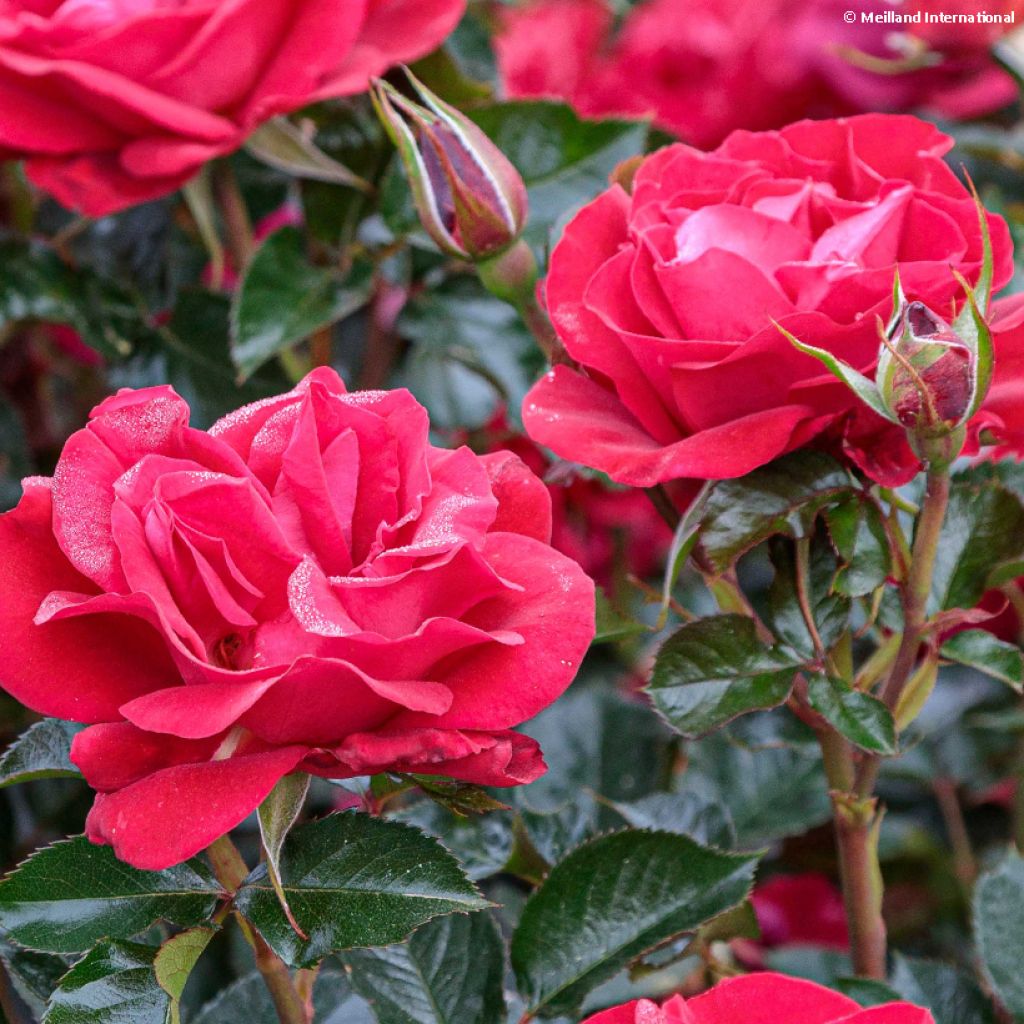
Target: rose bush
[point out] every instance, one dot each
(113, 102)
(310, 585)
(763, 999)
(666, 297)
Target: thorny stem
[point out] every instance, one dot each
(855, 810)
(856, 813)
(919, 583)
(915, 605)
(857, 821)
(231, 871)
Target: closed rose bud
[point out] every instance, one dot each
(927, 378)
(470, 198)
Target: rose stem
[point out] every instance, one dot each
(915, 604)
(511, 275)
(919, 583)
(383, 346)
(855, 819)
(231, 871)
(241, 244)
(956, 828)
(856, 812)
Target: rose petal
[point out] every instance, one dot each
(769, 999)
(552, 609)
(99, 664)
(579, 420)
(173, 814)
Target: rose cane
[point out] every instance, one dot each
(931, 379)
(470, 199)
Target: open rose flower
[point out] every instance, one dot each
(763, 999)
(113, 102)
(666, 298)
(699, 68)
(311, 585)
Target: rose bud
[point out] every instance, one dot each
(932, 377)
(925, 373)
(471, 200)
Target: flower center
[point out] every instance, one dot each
(231, 652)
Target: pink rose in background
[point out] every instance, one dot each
(113, 102)
(311, 585)
(699, 69)
(795, 910)
(665, 297)
(947, 70)
(602, 528)
(1003, 412)
(763, 999)
(802, 909)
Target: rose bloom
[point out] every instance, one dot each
(804, 909)
(113, 102)
(763, 999)
(311, 585)
(666, 297)
(946, 70)
(699, 68)
(606, 530)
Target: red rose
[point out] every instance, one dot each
(666, 298)
(309, 585)
(945, 69)
(801, 909)
(1003, 412)
(700, 68)
(114, 102)
(763, 999)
